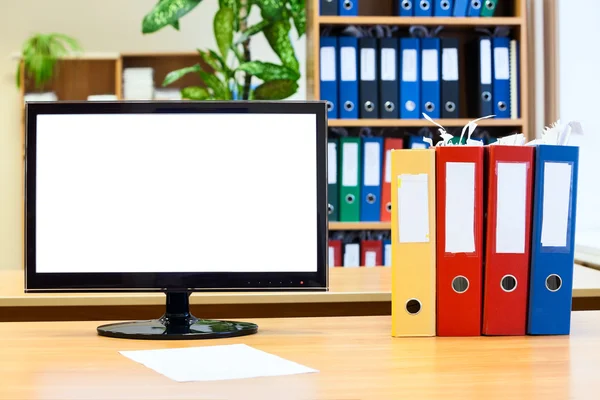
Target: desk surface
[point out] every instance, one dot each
(356, 357)
(347, 285)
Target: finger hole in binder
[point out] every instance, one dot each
(553, 283)
(424, 4)
(413, 306)
(389, 106)
(348, 106)
(476, 4)
(329, 1)
(388, 207)
(347, 4)
(429, 106)
(369, 106)
(410, 105)
(460, 284)
(330, 209)
(508, 283)
(450, 106)
(330, 106)
(501, 106)
(371, 198)
(489, 5)
(350, 199)
(445, 5)
(407, 5)
(486, 96)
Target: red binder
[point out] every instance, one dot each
(459, 184)
(506, 282)
(335, 253)
(386, 189)
(371, 253)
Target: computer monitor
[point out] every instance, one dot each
(176, 197)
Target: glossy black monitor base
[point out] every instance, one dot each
(177, 324)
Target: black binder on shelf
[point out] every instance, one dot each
(369, 77)
(328, 7)
(450, 78)
(388, 78)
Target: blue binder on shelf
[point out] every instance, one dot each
(348, 98)
(501, 80)
(552, 244)
(443, 8)
(405, 8)
(423, 8)
(410, 82)
(474, 8)
(328, 75)
(460, 8)
(348, 8)
(430, 77)
(370, 205)
(417, 142)
(387, 253)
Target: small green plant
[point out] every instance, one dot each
(40, 54)
(232, 66)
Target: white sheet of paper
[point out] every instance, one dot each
(460, 207)
(450, 64)
(370, 259)
(413, 208)
(328, 64)
(215, 363)
(556, 201)
(331, 163)
(350, 164)
(418, 145)
(485, 62)
(367, 65)
(429, 67)
(332, 256)
(510, 207)
(351, 255)
(501, 63)
(348, 63)
(409, 65)
(388, 64)
(372, 169)
(387, 254)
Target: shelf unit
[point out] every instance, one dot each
(360, 226)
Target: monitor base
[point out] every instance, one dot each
(177, 324)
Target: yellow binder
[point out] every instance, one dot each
(413, 242)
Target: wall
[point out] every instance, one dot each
(107, 25)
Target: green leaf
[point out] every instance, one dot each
(299, 15)
(194, 93)
(177, 74)
(175, 25)
(278, 36)
(275, 90)
(220, 90)
(236, 6)
(251, 31)
(271, 10)
(223, 29)
(167, 12)
(269, 72)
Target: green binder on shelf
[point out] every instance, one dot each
(333, 193)
(488, 8)
(350, 161)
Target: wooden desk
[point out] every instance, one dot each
(354, 291)
(356, 357)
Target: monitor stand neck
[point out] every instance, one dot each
(178, 317)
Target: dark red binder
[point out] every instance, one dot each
(386, 188)
(335, 253)
(506, 282)
(459, 198)
(371, 253)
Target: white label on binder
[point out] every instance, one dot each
(429, 67)
(485, 61)
(418, 146)
(413, 208)
(331, 163)
(460, 207)
(450, 64)
(501, 63)
(350, 164)
(328, 64)
(372, 164)
(388, 64)
(352, 255)
(388, 166)
(556, 203)
(511, 200)
(348, 64)
(332, 256)
(409, 65)
(367, 64)
(370, 259)
(387, 253)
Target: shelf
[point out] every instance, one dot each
(419, 123)
(408, 21)
(359, 226)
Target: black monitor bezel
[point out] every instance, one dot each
(160, 282)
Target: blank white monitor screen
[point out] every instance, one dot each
(138, 193)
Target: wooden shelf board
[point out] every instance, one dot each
(447, 21)
(87, 56)
(357, 226)
(420, 122)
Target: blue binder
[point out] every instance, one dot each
(370, 205)
(443, 8)
(423, 8)
(329, 75)
(387, 253)
(501, 80)
(460, 8)
(552, 244)
(410, 82)
(348, 8)
(474, 8)
(417, 142)
(405, 8)
(348, 77)
(430, 77)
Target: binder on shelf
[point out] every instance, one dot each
(387, 253)
(348, 8)
(450, 78)
(371, 253)
(506, 273)
(372, 155)
(388, 82)
(482, 101)
(515, 81)
(552, 251)
(488, 8)
(442, 8)
(410, 82)
(423, 8)
(350, 156)
(460, 8)
(501, 83)
(351, 255)
(430, 76)
(332, 180)
(348, 97)
(335, 253)
(328, 7)
(368, 91)
(328, 75)
(459, 182)
(474, 8)
(413, 243)
(405, 8)
(417, 142)
(386, 188)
